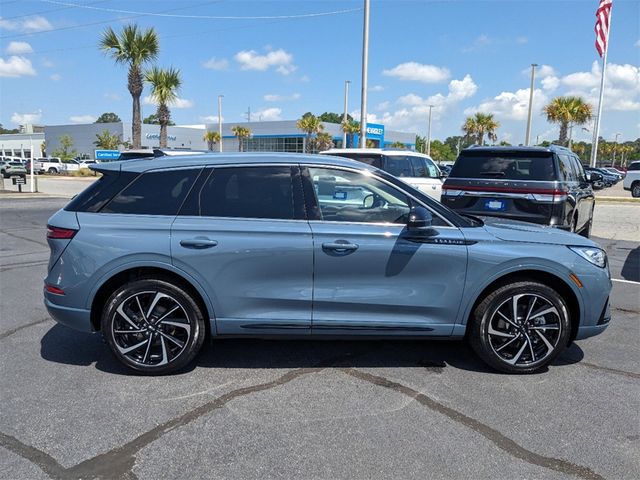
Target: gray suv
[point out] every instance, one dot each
(161, 254)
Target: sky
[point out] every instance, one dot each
(460, 56)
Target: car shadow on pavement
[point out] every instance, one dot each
(631, 268)
(66, 346)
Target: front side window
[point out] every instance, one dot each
(398, 166)
(154, 193)
(344, 196)
(247, 192)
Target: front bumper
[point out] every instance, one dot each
(76, 318)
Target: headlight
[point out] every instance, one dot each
(593, 255)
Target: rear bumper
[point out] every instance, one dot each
(76, 318)
(591, 331)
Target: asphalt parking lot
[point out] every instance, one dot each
(311, 409)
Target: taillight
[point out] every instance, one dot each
(60, 233)
(53, 289)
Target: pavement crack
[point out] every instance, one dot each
(26, 239)
(610, 370)
(43, 460)
(500, 440)
(10, 332)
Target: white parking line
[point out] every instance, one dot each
(625, 281)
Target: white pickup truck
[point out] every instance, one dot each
(632, 180)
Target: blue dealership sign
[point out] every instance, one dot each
(107, 155)
(375, 132)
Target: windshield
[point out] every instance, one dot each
(505, 166)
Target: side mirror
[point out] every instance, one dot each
(419, 218)
(594, 177)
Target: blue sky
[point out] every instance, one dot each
(462, 56)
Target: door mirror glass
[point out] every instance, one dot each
(419, 218)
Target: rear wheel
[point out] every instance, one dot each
(153, 326)
(520, 327)
(52, 171)
(635, 190)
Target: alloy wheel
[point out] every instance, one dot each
(151, 328)
(524, 329)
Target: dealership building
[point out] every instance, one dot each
(273, 136)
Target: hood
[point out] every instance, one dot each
(515, 231)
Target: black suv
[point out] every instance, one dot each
(541, 185)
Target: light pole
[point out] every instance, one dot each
(615, 147)
(220, 122)
(33, 186)
(527, 137)
(344, 115)
(365, 65)
(429, 132)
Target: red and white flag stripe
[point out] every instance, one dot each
(603, 14)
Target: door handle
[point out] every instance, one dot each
(340, 246)
(198, 243)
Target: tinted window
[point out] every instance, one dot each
(373, 159)
(504, 165)
(567, 170)
(579, 170)
(634, 166)
(419, 167)
(353, 197)
(96, 195)
(398, 166)
(154, 193)
(246, 192)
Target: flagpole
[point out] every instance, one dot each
(596, 130)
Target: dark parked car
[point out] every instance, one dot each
(607, 178)
(547, 186)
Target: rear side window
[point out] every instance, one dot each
(154, 193)
(634, 166)
(504, 166)
(567, 169)
(398, 166)
(245, 192)
(96, 195)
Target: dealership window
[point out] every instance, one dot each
(275, 144)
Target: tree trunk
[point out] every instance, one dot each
(135, 89)
(163, 117)
(564, 128)
(239, 144)
(480, 138)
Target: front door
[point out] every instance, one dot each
(243, 235)
(370, 278)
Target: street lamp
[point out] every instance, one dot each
(365, 64)
(344, 115)
(527, 137)
(429, 132)
(220, 122)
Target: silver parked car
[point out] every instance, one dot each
(160, 255)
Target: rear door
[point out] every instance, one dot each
(243, 235)
(426, 176)
(369, 278)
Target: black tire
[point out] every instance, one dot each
(635, 190)
(526, 342)
(161, 353)
(52, 171)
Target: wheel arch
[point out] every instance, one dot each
(117, 278)
(544, 277)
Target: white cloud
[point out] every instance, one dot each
(210, 119)
(25, 118)
(268, 114)
(544, 71)
(82, 118)
(273, 97)
(511, 105)
(56, 77)
(28, 25)
(376, 88)
(47, 63)
(637, 44)
(418, 72)
(305, 79)
(112, 96)
(216, 64)
(177, 103)
(18, 48)
(16, 66)
(550, 83)
(252, 60)
(480, 42)
(383, 105)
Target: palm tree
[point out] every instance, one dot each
(323, 141)
(311, 125)
(164, 87)
(133, 47)
(212, 138)
(479, 125)
(568, 110)
(242, 133)
(351, 128)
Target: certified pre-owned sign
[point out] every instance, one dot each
(156, 136)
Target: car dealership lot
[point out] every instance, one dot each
(311, 409)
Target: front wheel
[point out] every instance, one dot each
(520, 327)
(153, 326)
(635, 190)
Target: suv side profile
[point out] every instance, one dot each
(547, 186)
(160, 254)
(417, 169)
(632, 179)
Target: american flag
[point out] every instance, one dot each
(603, 15)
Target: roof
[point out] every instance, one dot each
(209, 159)
(379, 151)
(515, 148)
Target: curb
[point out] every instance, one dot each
(26, 195)
(618, 200)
